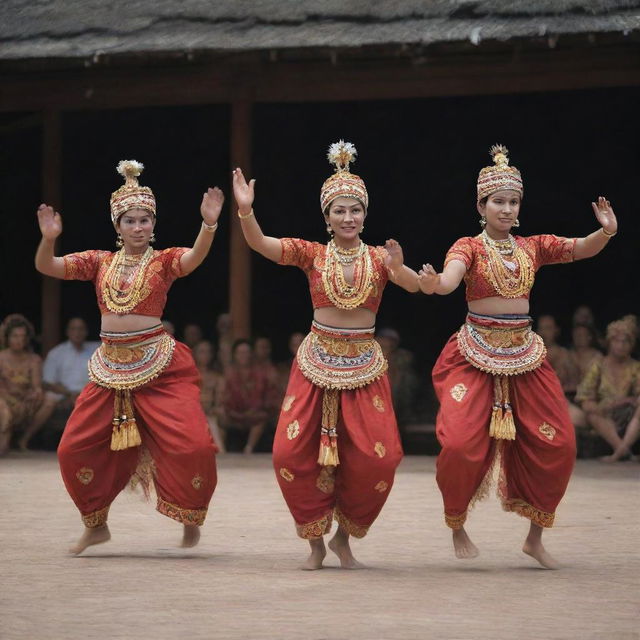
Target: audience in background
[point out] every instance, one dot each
(225, 341)
(169, 327)
(191, 334)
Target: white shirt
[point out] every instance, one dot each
(67, 365)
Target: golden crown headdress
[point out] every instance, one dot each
(500, 175)
(131, 195)
(343, 183)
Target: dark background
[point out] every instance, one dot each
(419, 158)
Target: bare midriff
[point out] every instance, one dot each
(497, 306)
(345, 318)
(128, 322)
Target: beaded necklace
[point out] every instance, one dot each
(123, 300)
(508, 281)
(342, 294)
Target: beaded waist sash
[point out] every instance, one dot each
(337, 359)
(124, 362)
(502, 346)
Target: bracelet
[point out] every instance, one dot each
(246, 215)
(606, 233)
(209, 227)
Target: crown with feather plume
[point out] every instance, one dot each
(131, 195)
(343, 183)
(500, 175)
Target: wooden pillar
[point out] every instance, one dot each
(51, 194)
(240, 253)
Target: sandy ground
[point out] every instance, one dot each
(242, 581)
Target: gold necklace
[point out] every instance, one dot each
(117, 299)
(342, 294)
(508, 283)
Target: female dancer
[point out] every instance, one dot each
(338, 389)
(143, 395)
(501, 405)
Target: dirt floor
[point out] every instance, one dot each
(242, 581)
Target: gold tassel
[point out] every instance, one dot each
(502, 426)
(125, 430)
(328, 455)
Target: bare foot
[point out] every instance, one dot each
(91, 536)
(191, 536)
(462, 545)
(536, 550)
(317, 555)
(339, 544)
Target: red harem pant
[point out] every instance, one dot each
(534, 468)
(173, 428)
(369, 450)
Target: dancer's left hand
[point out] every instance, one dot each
(395, 258)
(604, 214)
(211, 205)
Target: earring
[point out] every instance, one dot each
(361, 228)
(330, 230)
(152, 238)
(516, 223)
(119, 242)
(483, 222)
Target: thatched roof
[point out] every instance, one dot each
(86, 28)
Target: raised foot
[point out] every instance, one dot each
(316, 557)
(341, 548)
(462, 545)
(191, 536)
(537, 551)
(95, 535)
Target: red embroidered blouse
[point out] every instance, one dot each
(541, 250)
(162, 270)
(310, 257)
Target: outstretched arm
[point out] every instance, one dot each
(399, 273)
(441, 283)
(51, 227)
(210, 209)
(269, 247)
(595, 242)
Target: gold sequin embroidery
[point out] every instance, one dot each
(293, 430)
(85, 475)
(378, 403)
(197, 481)
(380, 449)
(326, 479)
(382, 486)
(286, 475)
(458, 392)
(287, 403)
(547, 431)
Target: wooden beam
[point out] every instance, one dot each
(51, 194)
(240, 253)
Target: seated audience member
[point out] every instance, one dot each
(559, 357)
(169, 327)
(248, 395)
(583, 349)
(609, 391)
(583, 316)
(225, 341)
(402, 377)
(284, 367)
(191, 334)
(24, 405)
(262, 359)
(211, 390)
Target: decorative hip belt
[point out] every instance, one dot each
(337, 359)
(502, 346)
(124, 362)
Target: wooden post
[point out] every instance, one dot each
(240, 253)
(51, 194)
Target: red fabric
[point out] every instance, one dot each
(360, 427)
(536, 468)
(248, 401)
(162, 270)
(310, 257)
(173, 427)
(541, 250)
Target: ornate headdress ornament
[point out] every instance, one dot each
(500, 175)
(342, 182)
(131, 195)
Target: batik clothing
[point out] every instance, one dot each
(20, 400)
(176, 445)
(249, 397)
(336, 446)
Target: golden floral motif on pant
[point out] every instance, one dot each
(547, 431)
(286, 474)
(380, 450)
(378, 403)
(315, 529)
(287, 403)
(353, 529)
(196, 481)
(293, 430)
(526, 510)
(326, 479)
(458, 391)
(96, 519)
(85, 475)
(455, 522)
(382, 486)
(185, 516)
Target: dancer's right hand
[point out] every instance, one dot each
(243, 192)
(428, 279)
(50, 222)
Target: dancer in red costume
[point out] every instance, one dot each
(336, 446)
(502, 409)
(141, 413)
